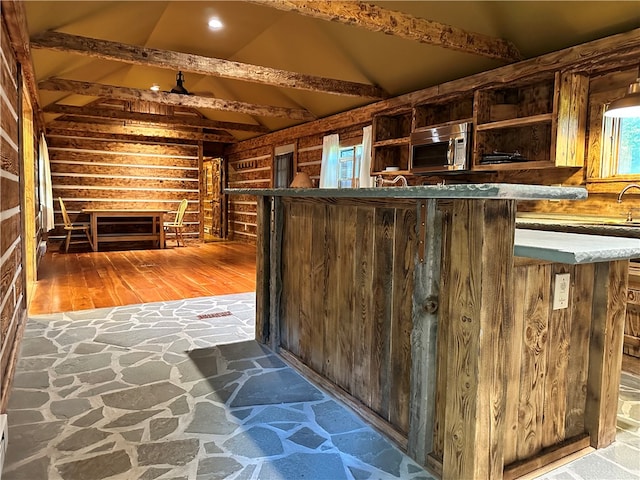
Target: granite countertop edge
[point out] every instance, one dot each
(507, 191)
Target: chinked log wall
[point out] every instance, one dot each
(123, 172)
(12, 292)
(611, 64)
(251, 167)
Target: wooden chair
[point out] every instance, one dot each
(71, 227)
(177, 225)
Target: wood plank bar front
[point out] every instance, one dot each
(416, 310)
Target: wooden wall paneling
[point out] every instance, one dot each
(382, 290)
(474, 427)
(402, 324)
(534, 361)
(558, 337)
(305, 285)
(513, 368)
(424, 358)
(362, 332)
(578, 366)
(444, 327)
(291, 253)
(275, 280)
(333, 305)
(345, 290)
(319, 282)
(572, 120)
(605, 352)
(263, 269)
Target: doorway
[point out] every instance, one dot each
(214, 204)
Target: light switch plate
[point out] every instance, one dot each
(561, 291)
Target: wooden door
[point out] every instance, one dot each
(213, 199)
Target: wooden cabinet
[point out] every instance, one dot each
(542, 120)
(430, 115)
(518, 119)
(390, 143)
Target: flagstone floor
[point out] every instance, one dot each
(179, 390)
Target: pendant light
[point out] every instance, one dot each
(627, 106)
(179, 88)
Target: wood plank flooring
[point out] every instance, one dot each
(79, 281)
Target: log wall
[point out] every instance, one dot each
(610, 64)
(90, 171)
(12, 288)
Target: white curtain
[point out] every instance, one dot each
(46, 192)
(366, 180)
(329, 166)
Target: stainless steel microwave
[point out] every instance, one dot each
(441, 149)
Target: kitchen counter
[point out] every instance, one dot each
(408, 304)
(582, 224)
(457, 191)
(573, 248)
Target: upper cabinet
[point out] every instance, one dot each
(391, 138)
(531, 125)
(539, 123)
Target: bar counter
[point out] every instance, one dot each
(410, 304)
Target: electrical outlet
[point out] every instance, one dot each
(561, 291)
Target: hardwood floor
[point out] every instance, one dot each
(80, 281)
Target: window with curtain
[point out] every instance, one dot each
(346, 166)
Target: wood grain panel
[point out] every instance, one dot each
(534, 360)
(404, 258)
(578, 366)
(363, 344)
(559, 335)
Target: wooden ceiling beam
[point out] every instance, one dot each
(374, 18)
(175, 61)
(175, 99)
(58, 126)
(183, 120)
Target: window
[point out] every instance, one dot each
(349, 159)
(283, 170)
(620, 147)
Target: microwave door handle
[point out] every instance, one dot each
(450, 151)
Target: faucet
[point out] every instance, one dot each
(631, 185)
(380, 182)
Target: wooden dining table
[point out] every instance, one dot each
(157, 225)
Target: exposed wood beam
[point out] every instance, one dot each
(15, 17)
(137, 131)
(176, 99)
(137, 55)
(391, 22)
(116, 114)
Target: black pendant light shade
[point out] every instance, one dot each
(179, 88)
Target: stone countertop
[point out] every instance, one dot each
(588, 225)
(574, 248)
(510, 191)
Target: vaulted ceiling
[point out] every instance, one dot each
(277, 63)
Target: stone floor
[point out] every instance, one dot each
(179, 390)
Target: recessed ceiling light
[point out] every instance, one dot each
(215, 23)
(155, 87)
